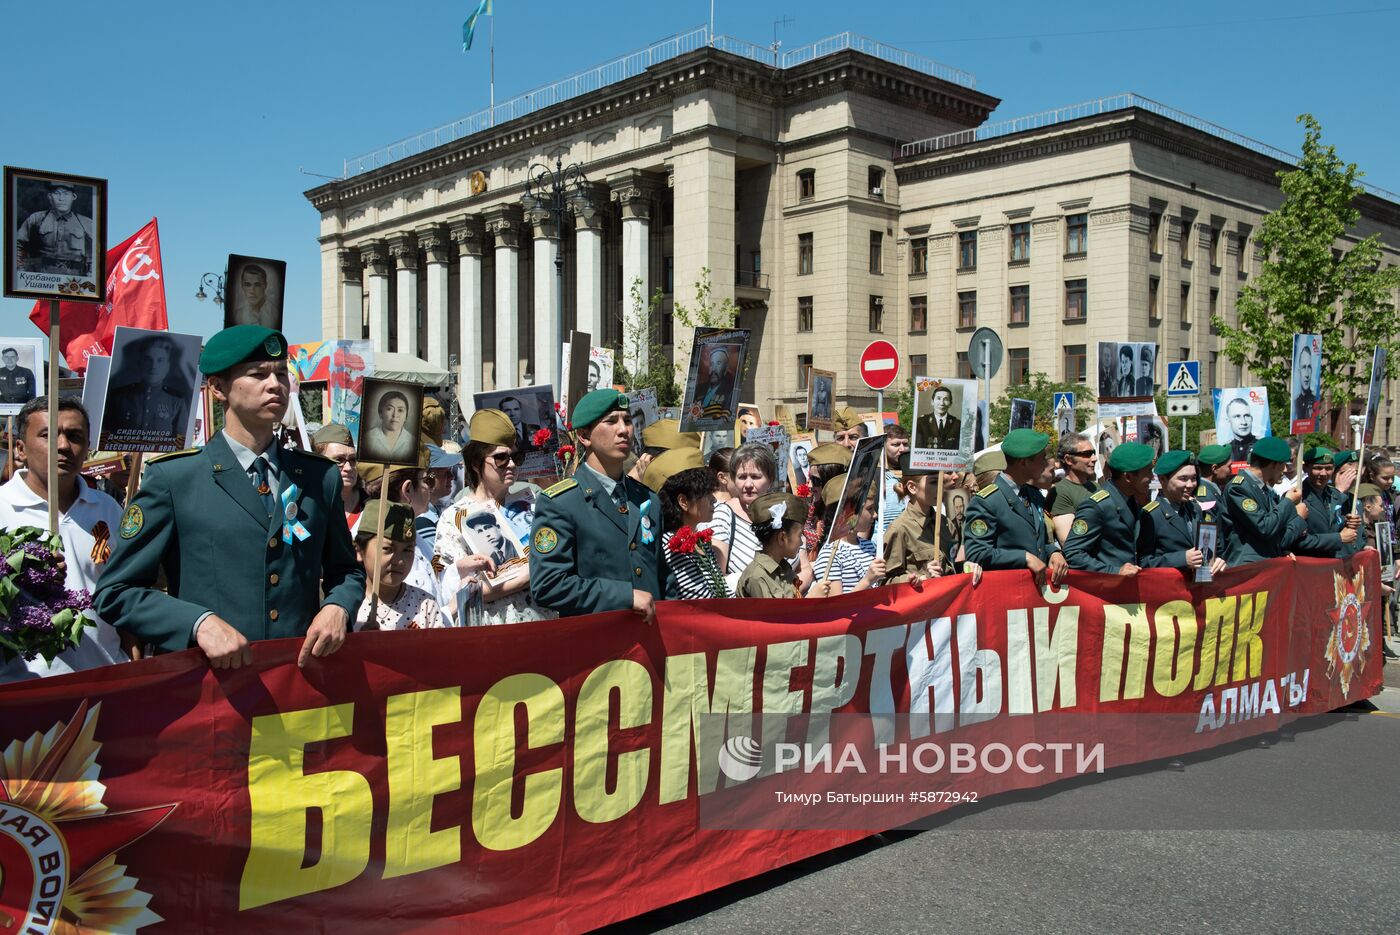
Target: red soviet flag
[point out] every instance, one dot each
(135, 298)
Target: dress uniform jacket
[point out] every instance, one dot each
(587, 555)
(17, 385)
(1110, 531)
(148, 409)
(767, 577)
(198, 518)
(909, 545)
(1322, 530)
(1003, 524)
(1175, 530)
(1262, 524)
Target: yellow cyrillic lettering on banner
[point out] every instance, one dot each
(1249, 641)
(416, 778)
(280, 794)
(592, 800)
(1226, 647)
(493, 733)
(1124, 627)
(686, 721)
(1220, 617)
(1175, 650)
(1056, 657)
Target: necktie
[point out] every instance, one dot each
(619, 497)
(262, 484)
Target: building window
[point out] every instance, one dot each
(1185, 354)
(967, 250)
(1186, 305)
(1243, 271)
(1215, 248)
(918, 365)
(918, 255)
(806, 184)
(1214, 304)
(1187, 222)
(964, 367)
(877, 313)
(1020, 305)
(1210, 369)
(1076, 363)
(1019, 360)
(804, 364)
(877, 250)
(1077, 234)
(1154, 309)
(1076, 299)
(967, 309)
(876, 178)
(804, 313)
(804, 254)
(1154, 233)
(1020, 241)
(918, 314)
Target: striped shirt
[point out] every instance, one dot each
(690, 578)
(849, 566)
(743, 544)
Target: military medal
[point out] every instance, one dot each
(291, 526)
(648, 534)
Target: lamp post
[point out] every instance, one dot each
(214, 281)
(554, 192)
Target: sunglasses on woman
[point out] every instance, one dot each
(504, 458)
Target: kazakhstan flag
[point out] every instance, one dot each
(469, 27)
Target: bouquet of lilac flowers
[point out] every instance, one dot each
(39, 616)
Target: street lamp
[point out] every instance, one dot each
(555, 192)
(214, 281)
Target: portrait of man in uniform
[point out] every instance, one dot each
(55, 241)
(150, 392)
(529, 408)
(1307, 367)
(489, 538)
(1147, 354)
(1241, 418)
(821, 390)
(711, 401)
(798, 452)
(390, 421)
(255, 289)
(20, 373)
(945, 414)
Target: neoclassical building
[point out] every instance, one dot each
(836, 193)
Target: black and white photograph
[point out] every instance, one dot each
(55, 236)
(776, 437)
(748, 418)
(1127, 370)
(955, 508)
(529, 408)
(799, 451)
(1241, 418)
(253, 291)
(390, 420)
(489, 533)
(573, 381)
(821, 395)
(1022, 414)
(642, 404)
(151, 389)
(21, 373)
(518, 510)
(1064, 420)
(600, 369)
(1106, 438)
(712, 385)
(979, 431)
(1373, 395)
(862, 482)
(1385, 546)
(1205, 541)
(1306, 391)
(944, 415)
(312, 395)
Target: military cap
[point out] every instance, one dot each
(332, 433)
(1271, 449)
(241, 343)
(792, 509)
(439, 458)
(398, 520)
(989, 461)
(597, 404)
(491, 426)
(670, 463)
(55, 186)
(1024, 443)
(906, 471)
(830, 453)
(1214, 455)
(666, 433)
(1318, 454)
(1171, 462)
(844, 419)
(1131, 456)
(1344, 456)
(1366, 491)
(831, 493)
(434, 419)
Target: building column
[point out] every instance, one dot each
(404, 248)
(467, 233)
(438, 250)
(633, 193)
(548, 340)
(352, 294)
(503, 223)
(375, 256)
(703, 192)
(588, 261)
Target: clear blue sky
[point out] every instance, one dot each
(201, 114)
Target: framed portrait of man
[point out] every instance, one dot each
(151, 388)
(945, 415)
(1305, 404)
(253, 291)
(860, 492)
(748, 418)
(712, 386)
(391, 417)
(529, 408)
(55, 236)
(1374, 393)
(642, 403)
(1022, 413)
(799, 450)
(1241, 418)
(821, 396)
(600, 369)
(21, 373)
(489, 533)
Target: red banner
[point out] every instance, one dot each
(550, 776)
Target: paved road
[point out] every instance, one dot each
(1303, 836)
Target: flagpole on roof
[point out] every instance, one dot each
(492, 14)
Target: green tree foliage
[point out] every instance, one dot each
(641, 336)
(1041, 389)
(1310, 285)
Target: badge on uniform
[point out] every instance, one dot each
(1079, 527)
(132, 521)
(978, 527)
(545, 540)
(1249, 506)
(648, 534)
(291, 525)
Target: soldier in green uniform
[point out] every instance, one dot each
(1331, 531)
(1177, 518)
(1007, 526)
(1110, 533)
(596, 536)
(777, 519)
(1214, 473)
(249, 535)
(1261, 522)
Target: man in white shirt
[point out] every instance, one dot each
(87, 518)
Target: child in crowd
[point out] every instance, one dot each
(777, 520)
(848, 558)
(1373, 516)
(687, 491)
(909, 551)
(397, 605)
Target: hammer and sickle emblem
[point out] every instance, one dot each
(145, 267)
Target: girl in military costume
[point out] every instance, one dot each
(777, 520)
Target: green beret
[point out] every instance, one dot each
(491, 426)
(666, 433)
(1171, 462)
(1318, 455)
(1343, 457)
(1272, 448)
(1367, 491)
(1131, 456)
(670, 463)
(1024, 443)
(830, 453)
(597, 404)
(239, 344)
(794, 510)
(332, 434)
(989, 461)
(398, 521)
(906, 471)
(1214, 455)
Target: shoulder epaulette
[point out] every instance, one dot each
(173, 454)
(1239, 479)
(567, 483)
(987, 491)
(1152, 506)
(1099, 497)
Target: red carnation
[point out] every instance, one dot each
(804, 490)
(705, 535)
(541, 438)
(775, 422)
(683, 540)
(566, 451)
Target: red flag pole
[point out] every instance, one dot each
(53, 416)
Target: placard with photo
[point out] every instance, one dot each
(600, 369)
(253, 291)
(1305, 403)
(488, 532)
(1241, 418)
(711, 400)
(1022, 414)
(776, 437)
(519, 510)
(783, 414)
(1385, 546)
(749, 418)
(862, 489)
(1127, 370)
(642, 404)
(312, 396)
(529, 408)
(1374, 393)
(1206, 542)
(391, 418)
(799, 452)
(572, 380)
(151, 391)
(21, 373)
(55, 236)
(945, 412)
(821, 398)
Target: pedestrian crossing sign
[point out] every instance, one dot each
(1184, 378)
(1063, 401)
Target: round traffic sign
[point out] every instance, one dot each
(879, 364)
(984, 353)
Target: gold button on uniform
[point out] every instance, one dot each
(272, 543)
(632, 546)
(637, 571)
(272, 579)
(272, 615)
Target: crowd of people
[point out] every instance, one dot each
(246, 540)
